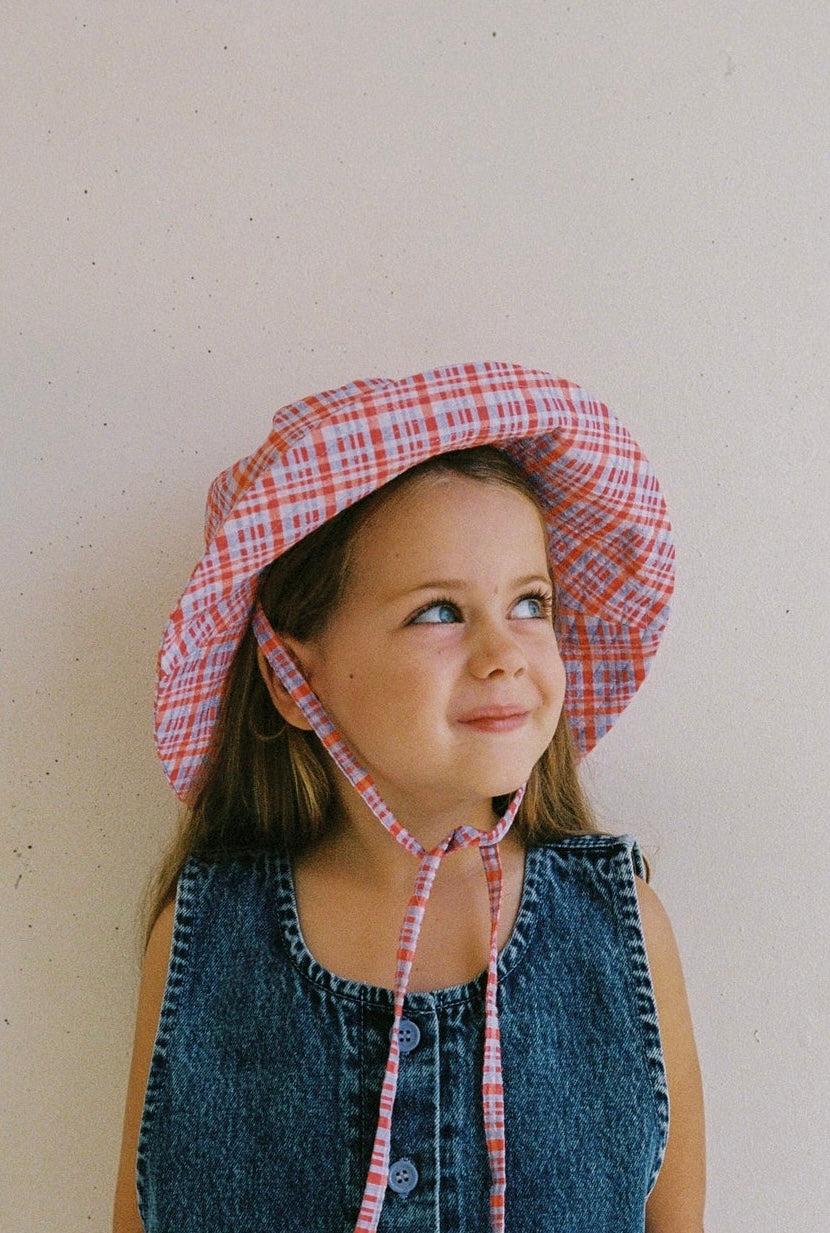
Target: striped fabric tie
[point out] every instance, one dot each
(462, 837)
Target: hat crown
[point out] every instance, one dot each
(290, 425)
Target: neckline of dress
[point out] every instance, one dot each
(379, 996)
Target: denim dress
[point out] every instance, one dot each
(262, 1098)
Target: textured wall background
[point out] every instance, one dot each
(212, 209)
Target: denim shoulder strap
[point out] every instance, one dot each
(610, 864)
(190, 890)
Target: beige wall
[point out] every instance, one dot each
(211, 209)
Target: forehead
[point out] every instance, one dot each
(451, 520)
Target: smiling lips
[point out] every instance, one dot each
(495, 718)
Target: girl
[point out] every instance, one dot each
(419, 601)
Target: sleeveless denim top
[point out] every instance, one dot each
(262, 1098)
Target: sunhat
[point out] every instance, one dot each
(612, 559)
(610, 541)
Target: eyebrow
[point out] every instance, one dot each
(459, 584)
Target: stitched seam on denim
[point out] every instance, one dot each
(639, 978)
(436, 1132)
(187, 894)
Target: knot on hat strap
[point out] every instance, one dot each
(492, 1086)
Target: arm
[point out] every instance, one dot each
(151, 992)
(676, 1202)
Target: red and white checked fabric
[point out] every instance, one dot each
(492, 1086)
(609, 538)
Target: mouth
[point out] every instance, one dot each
(495, 719)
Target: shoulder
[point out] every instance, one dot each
(154, 978)
(666, 972)
(154, 973)
(661, 946)
(667, 980)
(597, 854)
(596, 872)
(593, 847)
(214, 878)
(159, 942)
(583, 887)
(677, 1198)
(150, 998)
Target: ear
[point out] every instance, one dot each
(279, 695)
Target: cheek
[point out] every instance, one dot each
(360, 691)
(557, 680)
(561, 674)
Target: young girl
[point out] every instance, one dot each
(395, 977)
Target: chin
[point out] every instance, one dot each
(506, 787)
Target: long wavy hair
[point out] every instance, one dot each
(268, 785)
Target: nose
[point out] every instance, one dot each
(495, 651)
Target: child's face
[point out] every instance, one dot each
(440, 665)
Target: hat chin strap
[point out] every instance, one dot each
(462, 837)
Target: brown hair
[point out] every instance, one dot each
(266, 784)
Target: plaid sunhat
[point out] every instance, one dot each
(609, 538)
(612, 560)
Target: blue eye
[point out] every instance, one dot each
(533, 607)
(440, 613)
